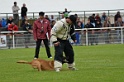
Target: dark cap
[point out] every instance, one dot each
(41, 13)
(73, 18)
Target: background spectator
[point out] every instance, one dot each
(119, 23)
(23, 21)
(52, 18)
(66, 13)
(24, 11)
(117, 16)
(11, 27)
(78, 32)
(9, 21)
(97, 31)
(103, 17)
(97, 17)
(107, 23)
(3, 22)
(27, 27)
(15, 10)
(52, 23)
(46, 17)
(92, 19)
(90, 32)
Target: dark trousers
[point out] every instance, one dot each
(16, 19)
(38, 44)
(65, 47)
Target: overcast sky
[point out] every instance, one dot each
(59, 5)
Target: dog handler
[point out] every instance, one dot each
(60, 33)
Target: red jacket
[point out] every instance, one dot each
(40, 30)
(12, 28)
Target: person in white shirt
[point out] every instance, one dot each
(15, 10)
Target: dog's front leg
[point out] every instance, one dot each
(39, 68)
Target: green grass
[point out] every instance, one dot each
(101, 63)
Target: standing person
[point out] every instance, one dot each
(65, 13)
(41, 28)
(60, 37)
(24, 11)
(15, 10)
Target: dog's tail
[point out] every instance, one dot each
(23, 62)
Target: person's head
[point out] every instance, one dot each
(65, 9)
(71, 19)
(104, 13)
(46, 16)
(53, 22)
(15, 3)
(62, 15)
(24, 4)
(97, 14)
(79, 23)
(26, 21)
(41, 15)
(13, 23)
(88, 21)
(52, 17)
(93, 15)
(76, 15)
(10, 18)
(118, 12)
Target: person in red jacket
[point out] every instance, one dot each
(41, 32)
(12, 27)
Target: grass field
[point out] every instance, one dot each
(101, 63)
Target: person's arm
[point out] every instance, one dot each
(9, 28)
(26, 9)
(49, 29)
(72, 33)
(18, 8)
(61, 12)
(15, 28)
(34, 31)
(54, 31)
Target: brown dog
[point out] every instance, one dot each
(41, 64)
